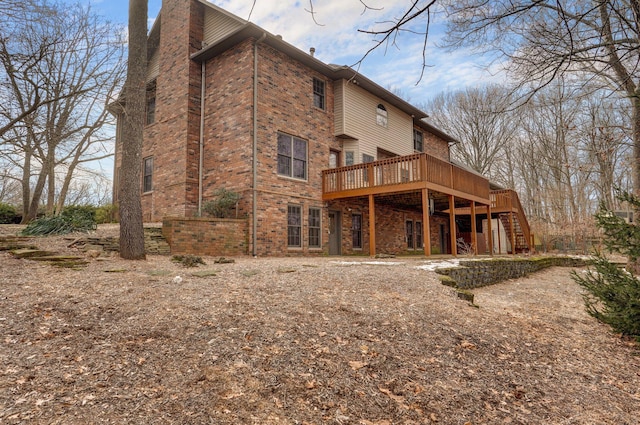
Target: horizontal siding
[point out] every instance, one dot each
(360, 122)
(338, 107)
(153, 67)
(217, 25)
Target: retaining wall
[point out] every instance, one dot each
(206, 236)
(476, 273)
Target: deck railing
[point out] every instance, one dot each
(401, 170)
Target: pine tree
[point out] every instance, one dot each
(612, 293)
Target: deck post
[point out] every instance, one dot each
(474, 235)
(372, 226)
(426, 226)
(452, 225)
(489, 230)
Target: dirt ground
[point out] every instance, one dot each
(301, 341)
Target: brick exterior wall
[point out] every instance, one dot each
(434, 145)
(173, 138)
(206, 236)
(285, 104)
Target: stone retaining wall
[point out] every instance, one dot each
(476, 273)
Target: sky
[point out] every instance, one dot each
(334, 35)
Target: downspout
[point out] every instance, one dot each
(201, 141)
(254, 211)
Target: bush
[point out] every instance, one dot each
(7, 213)
(72, 219)
(106, 214)
(223, 205)
(613, 294)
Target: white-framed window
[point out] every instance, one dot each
(294, 226)
(418, 141)
(315, 238)
(356, 231)
(147, 175)
(381, 115)
(318, 93)
(292, 156)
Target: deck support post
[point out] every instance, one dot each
(426, 226)
(489, 230)
(372, 226)
(452, 225)
(474, 235)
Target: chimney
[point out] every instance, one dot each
(312, 51)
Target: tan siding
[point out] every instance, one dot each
(339, 107)
(153, 68)
(360, 123)
(217, 26)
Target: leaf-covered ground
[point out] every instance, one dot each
(301, 341)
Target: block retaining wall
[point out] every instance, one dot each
(473, 274)
(206, 236)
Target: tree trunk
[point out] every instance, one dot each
(131, 227)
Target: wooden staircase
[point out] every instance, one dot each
(506, 204)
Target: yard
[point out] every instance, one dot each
(301, 341)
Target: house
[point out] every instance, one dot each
(326, 160)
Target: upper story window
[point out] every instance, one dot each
(151, 103)
(381, 115)
(418, 141)
(349, 158)
(318, 94)
(147, 176)
(367, 158)
(292, 156)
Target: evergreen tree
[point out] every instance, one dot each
(612, 293)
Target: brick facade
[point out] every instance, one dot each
(285, 104)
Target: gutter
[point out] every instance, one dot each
(201, 138)
(254, 212)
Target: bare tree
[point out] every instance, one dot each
(595, 40)
(131, 227)
(481, 119)
(62, 68)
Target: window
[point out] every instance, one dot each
(381, 115)
(334, 159)
(419, 243)
(409, 233)
(318, 93)
(292, 156)
(367, 158)
(147, 182)
(151, 103)
(348, 158)
(294, 226)
(418, 144)
(314, 228)
(356, 230)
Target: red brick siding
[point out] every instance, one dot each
(202, 236)
(434, 145)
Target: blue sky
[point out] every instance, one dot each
(334, 35)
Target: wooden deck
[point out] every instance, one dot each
(403, 174)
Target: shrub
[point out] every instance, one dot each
(106, 214)
(613, 294)
(7, 213)
(72, 219)
(223, 204)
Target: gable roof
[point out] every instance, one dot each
(245, 29)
